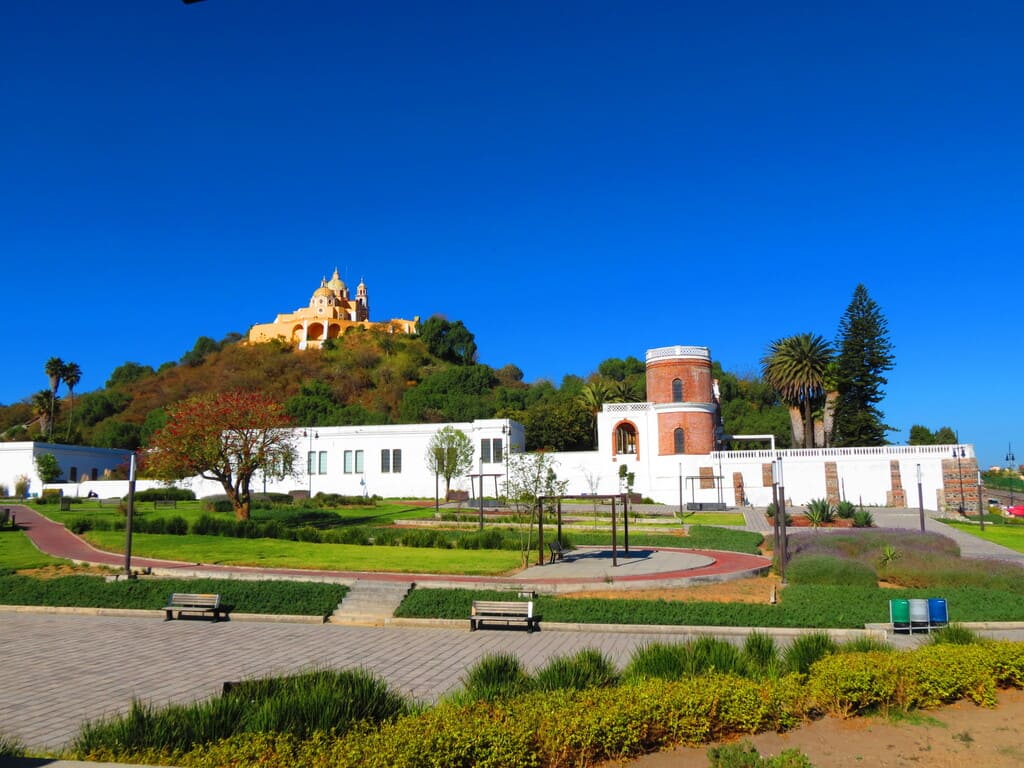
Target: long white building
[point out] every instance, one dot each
(667, 446)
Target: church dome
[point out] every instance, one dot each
(336, 283)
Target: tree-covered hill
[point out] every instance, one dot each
(368, 377)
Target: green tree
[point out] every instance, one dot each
(129, 372)
(45, 406)
(47, 467)
(458, 393)
(592, 397)
(451, 342)
(796, 368)
(558, 424)
(313, 406)
(113, 433)
(449, 453)
(865, 354)
(227, 437)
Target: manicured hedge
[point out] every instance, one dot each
(271, 597)
(799, 606)
(570, 727)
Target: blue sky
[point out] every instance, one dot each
(574, 181)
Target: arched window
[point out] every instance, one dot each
(679, 441)
(625, 439)
(677, 390)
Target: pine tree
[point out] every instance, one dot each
(865, 353)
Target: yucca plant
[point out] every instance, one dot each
(761, 653)
(711, 654)
(955, 634)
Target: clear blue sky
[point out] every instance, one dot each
(574, 181)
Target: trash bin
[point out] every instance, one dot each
(919, 615)
(899, 615)
(937, 615)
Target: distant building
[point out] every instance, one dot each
(78, 464)
(330, 313)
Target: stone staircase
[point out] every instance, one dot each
(371, 602)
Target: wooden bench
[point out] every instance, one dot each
(183, 602)
(457, 496)
(508, 612)
(558, 551)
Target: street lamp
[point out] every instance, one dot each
(959, 473)
(1010, 460)
(310, 458)
(920, 498)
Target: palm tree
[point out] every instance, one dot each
(823, 427)
(43, 403)
(795, 367)
(593, 396)
(625, 391)
(54, 368)
(72, 374)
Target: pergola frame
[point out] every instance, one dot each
(613, 497)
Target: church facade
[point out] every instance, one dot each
(331, 311)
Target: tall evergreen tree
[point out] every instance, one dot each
(865, 354)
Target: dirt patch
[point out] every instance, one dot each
(56, 571)
(951, 737)
(758, 589)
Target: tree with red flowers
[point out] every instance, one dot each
(226, 437)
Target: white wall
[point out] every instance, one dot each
(19, 459)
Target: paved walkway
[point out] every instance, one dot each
(61, 670)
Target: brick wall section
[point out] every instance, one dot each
(831, 482)
(707, 477)
(698, 430)
(694, 374)
(955, 473)
(896, 496)
(766, 475)
(739, 494)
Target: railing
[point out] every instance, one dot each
(678, 351)
(627, 407)
(817, 453)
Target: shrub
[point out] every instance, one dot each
(711, 654)
(347, 535)
(745, 755)
(11, 747)
(588, 668)
(169, 493)
(822, 569)
(308, 534)
(865, 644)
(495, 676)
(80, 525)
(807, 649)
(21, 484)
(220, 505)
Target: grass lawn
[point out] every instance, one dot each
(1010, 536)
(277, 553)
(17, 552)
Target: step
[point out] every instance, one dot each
(371, 602)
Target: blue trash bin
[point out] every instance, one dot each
(937, 615)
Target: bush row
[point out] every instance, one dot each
(271, 597)
(585, 726)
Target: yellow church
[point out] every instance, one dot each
(330, 313)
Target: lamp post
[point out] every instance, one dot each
(781, 512)
(680, 491)
(920, 498)
(1010, 460)
(310, 458)
(481, 492)
(958, 454)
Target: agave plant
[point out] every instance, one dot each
(863, 519)
(845, 509)
(820, 512)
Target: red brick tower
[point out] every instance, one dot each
(679, 384)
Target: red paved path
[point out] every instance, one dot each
(54, 539)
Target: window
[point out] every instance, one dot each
(323, 462)
(677, 390)
(491, 450)
(73, 474)
(679, 440)
(625, 439)
(348, 462)
(94, 473)
(359, 462)
(391, 460)
(311, 463)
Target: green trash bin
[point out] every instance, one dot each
(899, 616)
